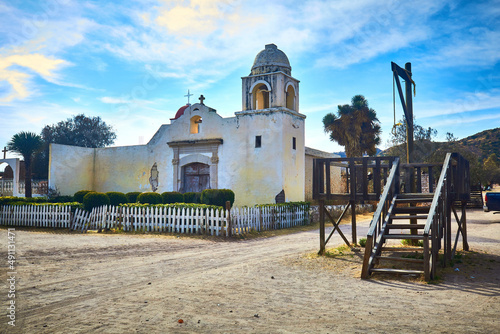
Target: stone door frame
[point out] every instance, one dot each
(204, 151)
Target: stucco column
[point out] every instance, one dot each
(214, 162)
(175, 165)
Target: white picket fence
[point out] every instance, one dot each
(36, 215)
(158, 218)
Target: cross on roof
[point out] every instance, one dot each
(188, 95)
(5, 150)
(201, 98)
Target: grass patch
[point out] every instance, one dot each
(362, 242)
(409, 242)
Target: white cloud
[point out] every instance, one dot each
(114, 100)
(470, 102)
(19, 80)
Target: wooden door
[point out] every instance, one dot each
(196, 177)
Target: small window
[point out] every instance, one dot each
(195, 124)
(258, 141)
(294, 143)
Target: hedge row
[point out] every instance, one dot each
(91, 199)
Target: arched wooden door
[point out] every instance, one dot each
(196, 177)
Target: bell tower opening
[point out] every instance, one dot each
(260, 97)
(290, 97)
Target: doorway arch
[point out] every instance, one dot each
(15, 164)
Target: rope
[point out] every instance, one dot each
(393, 131)
(411, 80)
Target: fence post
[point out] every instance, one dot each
(229, 225)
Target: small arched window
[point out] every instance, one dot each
(195, 124)
(290, 97)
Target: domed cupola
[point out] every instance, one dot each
(270, 60)
(270, 85)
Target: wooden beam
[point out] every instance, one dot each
(321, 227)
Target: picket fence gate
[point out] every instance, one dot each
(158, 218)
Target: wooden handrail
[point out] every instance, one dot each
(437, 194)
(385, 196)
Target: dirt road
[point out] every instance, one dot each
(95, 283)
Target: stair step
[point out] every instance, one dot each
(414, 200)
(405, 226)
(411, 209)
(409, 217)
(404, 236)
(396, 271)
(415, 195)
(401, 249)
(401, 259)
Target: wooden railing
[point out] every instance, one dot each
(453, 185)
(381, 218)
(364, 178)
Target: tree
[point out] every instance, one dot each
(491, 170)
(77, 131)
(80, 131)
(398, 136)
(450, 137)
(27, 144)
(355, 127)
(423, 145)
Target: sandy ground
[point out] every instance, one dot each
(116, 283)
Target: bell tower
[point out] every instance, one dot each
(270, 84)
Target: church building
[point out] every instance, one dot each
(259, 153)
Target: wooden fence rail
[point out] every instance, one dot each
(158, 218)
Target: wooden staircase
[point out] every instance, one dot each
(422, 218)
(406, 222)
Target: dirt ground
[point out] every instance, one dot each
(119, 283)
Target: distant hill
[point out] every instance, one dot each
(481, 144)
(487, 141)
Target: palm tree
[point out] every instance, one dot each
(355, 127)
(27, 144)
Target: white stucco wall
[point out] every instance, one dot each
(123, 169)
(71, 168)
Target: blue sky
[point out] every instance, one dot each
(132, 62)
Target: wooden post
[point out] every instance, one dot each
(321, 227)
(409, 118)
(229, 226)
(464, 226)
(353, 222)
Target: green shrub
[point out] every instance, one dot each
(94, 199)
(150, 198)
(79, 195)
(61, 199)
(116, 198)
(217, 197)
(171, 197)
(9, 200)
(132, 196)
(192, 198)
